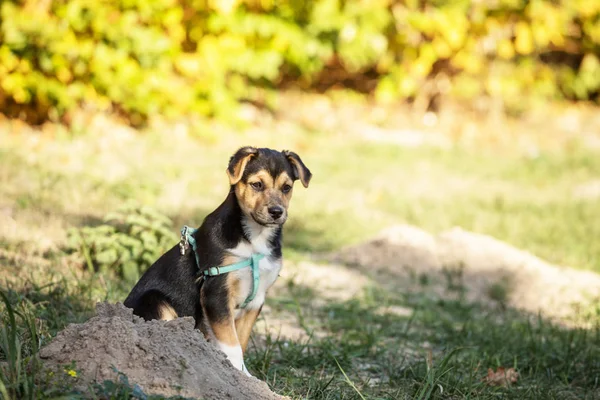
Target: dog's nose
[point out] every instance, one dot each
(275, 211)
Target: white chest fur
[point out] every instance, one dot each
(269, 266)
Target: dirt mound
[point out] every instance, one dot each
(480, 267)
(167, 358)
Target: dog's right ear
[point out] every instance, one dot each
(237, 163)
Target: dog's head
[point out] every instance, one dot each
(263, 180)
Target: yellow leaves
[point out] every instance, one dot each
(8, 59)
(453, 26)
(590, 63)
(501, 377)
(408, 86)
(188, 64)
(524, 38)
(167, 57)
(421, 67)
(64, 74)
(541, 33)
(224, 6)
(442, 48)
(468, 60)
(505, 49)
(21, 96)
(386, 91)
(586, 8)
(549, 23)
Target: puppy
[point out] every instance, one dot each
(220, 273)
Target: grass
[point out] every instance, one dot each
(442, 350)
(353, 349)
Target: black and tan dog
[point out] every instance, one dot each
(244, 229)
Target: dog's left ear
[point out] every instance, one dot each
(300, 170)
(237, 163)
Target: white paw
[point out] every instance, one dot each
(245, 370)
(235, 356)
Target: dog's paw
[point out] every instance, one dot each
(245, 371)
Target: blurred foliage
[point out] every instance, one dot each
(127, 243)
(173, 58)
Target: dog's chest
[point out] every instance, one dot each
(269, 268)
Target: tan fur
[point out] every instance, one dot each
(166, 312)
(284, 179)
(263, 176)
(255, 202)
(232, 283)
(224, 329)
(243, 326)
(238, 170)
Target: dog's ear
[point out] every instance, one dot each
(237, 163)
(300, 170)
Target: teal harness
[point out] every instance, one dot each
(187, 240)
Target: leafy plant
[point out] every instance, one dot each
(127, 243)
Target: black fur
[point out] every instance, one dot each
(173, 278)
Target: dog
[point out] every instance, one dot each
(235, 255)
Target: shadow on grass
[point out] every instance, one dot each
(405, 346)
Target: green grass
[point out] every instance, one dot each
(441, 350)
(361, 348)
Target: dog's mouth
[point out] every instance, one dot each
(268, 220)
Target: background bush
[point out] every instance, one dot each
(175, 58)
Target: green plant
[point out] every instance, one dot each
(127, 243)
(122, 389)
(19, 344)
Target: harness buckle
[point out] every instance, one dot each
(183, 241)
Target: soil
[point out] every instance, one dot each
(481, 268)
(165, 358)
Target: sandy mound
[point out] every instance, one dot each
(166, 358)
(483, 266)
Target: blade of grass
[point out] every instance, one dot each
(432, 377)
(10, 345)
(352, 385)
(3, 390)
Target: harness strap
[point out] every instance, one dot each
(187, 240)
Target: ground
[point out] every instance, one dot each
(167, 358)
(424, 252)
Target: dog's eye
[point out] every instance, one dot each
(286, 188)
(257, 185)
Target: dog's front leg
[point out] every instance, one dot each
(219, 313)
(244, 324)
(228, 343)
